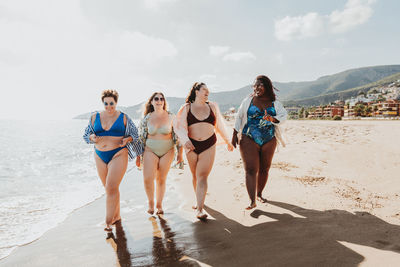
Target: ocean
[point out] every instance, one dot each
(46, 172)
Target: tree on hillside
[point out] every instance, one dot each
(373, 91)
(361, 93)
(301, 113)
(359, 110)
(368, 111)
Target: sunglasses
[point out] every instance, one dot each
(106, 103)
(158, 98)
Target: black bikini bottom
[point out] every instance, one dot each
(201, 146)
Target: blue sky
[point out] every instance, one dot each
(58, 55)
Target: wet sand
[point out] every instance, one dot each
(333, 201)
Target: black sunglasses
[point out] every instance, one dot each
(111, 104)
(158, 98)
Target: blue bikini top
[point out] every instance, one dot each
(117, 129)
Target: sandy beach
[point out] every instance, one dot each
(333, 200)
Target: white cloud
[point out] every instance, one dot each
(207, 77)
(239, 56)
(50, 53)
(355, 13)
(300, 27)
(140, 48)
(279, 58)
(218, 50)
(154, 4)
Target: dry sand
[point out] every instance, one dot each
(333, 196)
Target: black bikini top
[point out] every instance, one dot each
(191, 119)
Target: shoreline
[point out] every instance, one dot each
(332, 200)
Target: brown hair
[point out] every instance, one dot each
(192, 94)
(269, 88)
(148, 107)
(109, 93)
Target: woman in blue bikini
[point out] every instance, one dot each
(115, 138)
(258, 122)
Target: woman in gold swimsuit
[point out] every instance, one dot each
(158, 135)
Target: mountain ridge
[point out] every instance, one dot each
(324, 88)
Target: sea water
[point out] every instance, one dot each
(46, 171)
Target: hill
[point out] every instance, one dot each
(342, 95)
(321, 91)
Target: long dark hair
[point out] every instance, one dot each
(148, 107)
(192, 94)
(269, 88)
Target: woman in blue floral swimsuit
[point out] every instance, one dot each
(258, 120)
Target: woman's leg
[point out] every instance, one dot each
(163, 167)
(116, 171)
(192, 158)
(203, 168)
(267, 153)
(102, 170)
(150, 165)
(250, 153)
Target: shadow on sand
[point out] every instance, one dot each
(310, 240)
(293, 241)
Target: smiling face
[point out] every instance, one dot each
(109, 104)
(259, 88)
(202, 93)
(158, 102)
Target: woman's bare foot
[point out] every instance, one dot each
(201, 215)
(251, 206)
(150, 211)
(194, 207)
(116, 219)
(108, 229)
(261, 199)
(151, 208)
(159, 211)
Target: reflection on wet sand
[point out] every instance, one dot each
(119, 244)
(164, 251)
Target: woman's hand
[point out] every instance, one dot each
(234, 141)
(230, 147)
(124, 141)
(94, 138)
(179, 157)
(138, 162)
(268, 117)
(189, 146)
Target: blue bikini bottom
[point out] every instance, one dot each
(107, 156)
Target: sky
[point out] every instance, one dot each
(57, 56)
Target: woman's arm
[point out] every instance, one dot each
(220, 125)
(89, 134)
(281, 113)
(132, 134)
(180, 124)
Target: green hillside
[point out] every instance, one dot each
(345, 94)
(335, 83)
(326, 89)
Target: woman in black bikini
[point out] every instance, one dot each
(196, 123)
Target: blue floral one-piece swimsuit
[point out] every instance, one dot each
(258, 129)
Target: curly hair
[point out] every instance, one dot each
(148, 107)
(192, 94)
(109, 93)
(269, 88)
